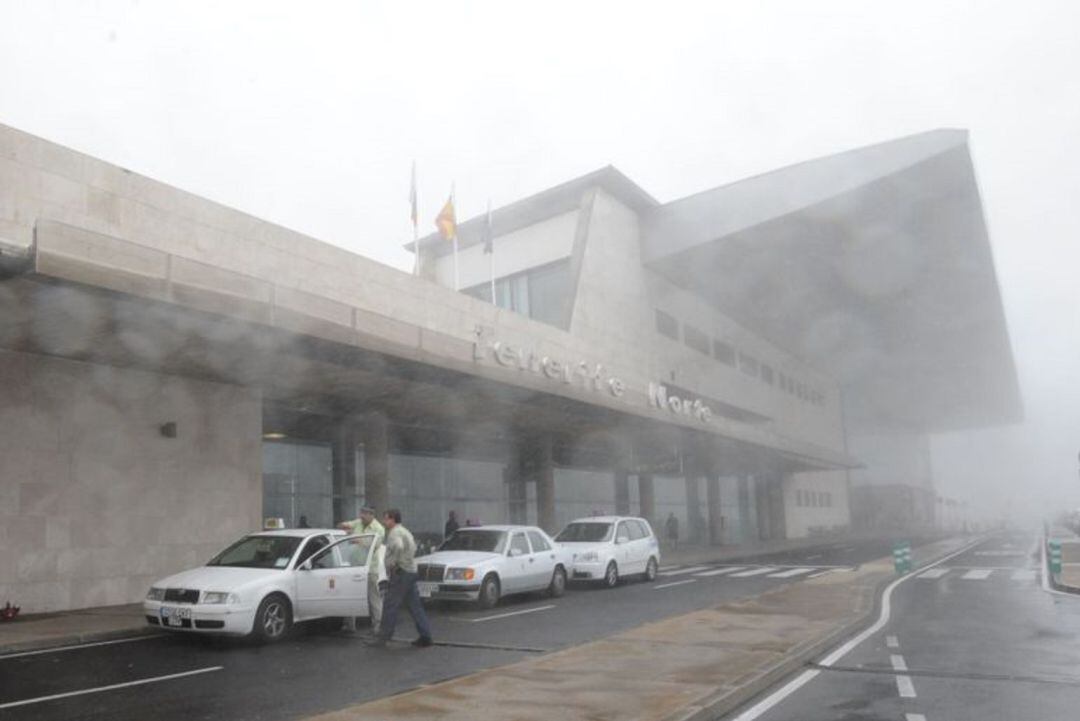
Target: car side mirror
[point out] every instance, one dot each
(622, 539)
(305, 566)
(515, 552)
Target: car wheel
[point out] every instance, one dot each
(557, 587)
(611, 575)
(489, 591)
(273, 618)
(650, 570)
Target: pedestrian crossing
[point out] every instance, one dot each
(753, 572)
(979, 574)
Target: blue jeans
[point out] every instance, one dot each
(403, 590)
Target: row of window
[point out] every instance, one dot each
(813, 499)
(541, 293)
(727, 354)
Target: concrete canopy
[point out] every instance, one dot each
(873, 264)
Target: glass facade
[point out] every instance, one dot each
(541, 293)
(298, 481)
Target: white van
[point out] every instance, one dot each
(607, 548)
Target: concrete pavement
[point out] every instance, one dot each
(692, 666)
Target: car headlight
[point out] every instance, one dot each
(155, 594)
(589, 556)
(460, 574)
(220, 597)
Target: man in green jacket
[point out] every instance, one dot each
(367, 523)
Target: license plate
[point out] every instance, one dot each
(171, 616)
(426, 588)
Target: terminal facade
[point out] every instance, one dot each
(764, 360)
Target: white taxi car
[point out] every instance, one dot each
(606, 548)
(266, 581)
(485, 563)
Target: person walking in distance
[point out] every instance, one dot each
(451, 525)
(672, 528)
(401, 569)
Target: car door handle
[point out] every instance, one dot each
(358, 578)
(532, 560)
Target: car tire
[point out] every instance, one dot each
(611, 575)
(273, 619)
(651, 568)
(489, 591)
(557, 587)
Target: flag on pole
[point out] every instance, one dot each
(412, 198)
(446, 221)
(489, 236)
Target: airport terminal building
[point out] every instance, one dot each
(763, 360)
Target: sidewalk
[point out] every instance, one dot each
(51, 630)
(1069, 578)
(695, 666)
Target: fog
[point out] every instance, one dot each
(311, 117)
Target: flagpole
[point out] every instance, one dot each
(415, 227)
(453, 203)
(491, 240)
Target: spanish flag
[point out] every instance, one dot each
(446, 221)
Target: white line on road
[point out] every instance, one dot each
(791, 573)
(806, 677)
(512, 613)
(826, 572)
(914, 717)
(1024, 574)
(753, 572)
(892, 642)
(683, 571)
(80, 646)
(720, 571)
(905, 687)
(898, 662)
(113, 687)
(668, 568)
(816, 555)
(675, 583)
(978, 574)
(935, 573)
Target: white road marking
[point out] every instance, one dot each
(675, 583)
(914, 717)
(892, 642)
(791, 573)
(753, 572)
(669, 568)
(816, 555)
(720, 571)
(898, 662)
(683, 571)
(806, 677)
(934, 573)
(905, 687)
(826, 572)
(999, 553)
(112, 687)
(1024, 574)
(978, 574)
(81, 645)
(512, 613)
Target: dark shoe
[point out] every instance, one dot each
(423, 642)
(375, 642)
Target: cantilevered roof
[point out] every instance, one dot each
(873, 264)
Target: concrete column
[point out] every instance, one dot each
(343, 469)
(746, 521)
(647, 498)
(517, 493)
(777, 515)
(761, 508)
(622, 452)
(694, 517)
(376, 435)
(545, 485)
(715, 512)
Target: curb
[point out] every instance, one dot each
(74, 639)
(1052, 579)
(718, 705)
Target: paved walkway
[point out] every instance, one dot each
(698, 665)
(1069, 578)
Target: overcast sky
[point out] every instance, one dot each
(310, 114)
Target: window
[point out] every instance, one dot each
(667, 325)
(798, 497)
(695, 339)
(723, 352)
(538, 542)
(313, 546)
(549, 293)
(748, 364)
(643, 527)
(767, 373)
(622, 533)
(636, 531)
(519, 543)
(585, 532)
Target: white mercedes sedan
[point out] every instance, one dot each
(485, 563)
(267, 581)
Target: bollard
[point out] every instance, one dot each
(1055, 556)
(902, 557)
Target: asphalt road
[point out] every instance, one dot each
(973, 639)
(186, 677)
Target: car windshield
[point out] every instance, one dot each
(484, 541)
(591, 532)
(258, 552)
